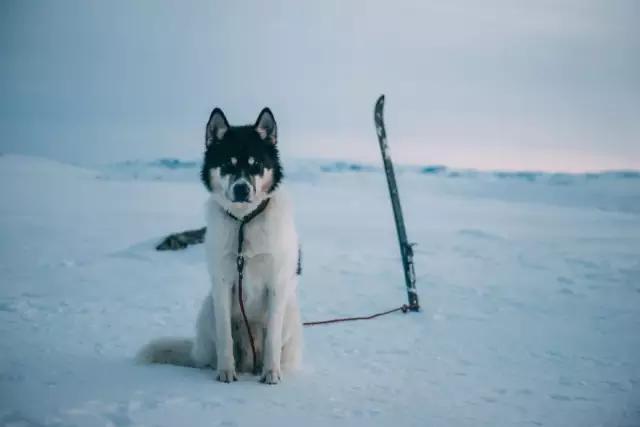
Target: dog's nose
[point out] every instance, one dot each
(241, 192)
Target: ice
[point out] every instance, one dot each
(529, 286)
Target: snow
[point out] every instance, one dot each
(529, 284)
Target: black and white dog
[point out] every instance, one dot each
(243, 174)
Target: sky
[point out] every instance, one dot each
(501, 84)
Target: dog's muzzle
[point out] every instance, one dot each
(241, 192)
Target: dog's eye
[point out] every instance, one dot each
(256, 167)
(227, 168)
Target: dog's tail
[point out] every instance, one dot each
(169, 350)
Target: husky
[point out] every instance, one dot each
(243, 175)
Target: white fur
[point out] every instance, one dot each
(269, 289)
(170, 350)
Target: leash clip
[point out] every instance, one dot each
(240, 262)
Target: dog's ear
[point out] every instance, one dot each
(266, 126)
(217, 126)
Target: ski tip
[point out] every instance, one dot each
(377, 110)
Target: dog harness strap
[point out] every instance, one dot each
(254, 213)
(240, 266)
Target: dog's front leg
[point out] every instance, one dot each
(224, 340)
(273, 341)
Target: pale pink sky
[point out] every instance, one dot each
(499, 84)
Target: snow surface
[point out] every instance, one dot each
(529, 283)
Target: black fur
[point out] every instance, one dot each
(181, 240)
(240, 142)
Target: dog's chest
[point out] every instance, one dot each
(265, 257)
(257, 241)
(257, 273)
(255, 287)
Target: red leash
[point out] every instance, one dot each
(404, 308)
(244, 316)
(240, 266)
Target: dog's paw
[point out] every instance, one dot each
(271, 376)
(226, 375)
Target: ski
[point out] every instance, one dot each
(406, 248)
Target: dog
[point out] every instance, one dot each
(243, 175)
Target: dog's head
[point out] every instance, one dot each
(241, 165)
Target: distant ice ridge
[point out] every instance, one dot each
(608, 191)
(174, 169)
(170, 169)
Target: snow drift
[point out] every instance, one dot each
(529, 283)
